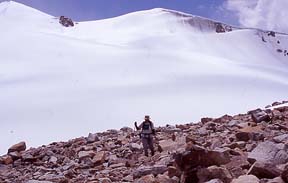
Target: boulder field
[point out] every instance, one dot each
(237, 149)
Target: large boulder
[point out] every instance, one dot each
(198, 156)
(269, 152)
(21, 146)
(195, 156)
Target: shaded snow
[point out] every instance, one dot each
(59, 83)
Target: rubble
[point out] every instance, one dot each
(227, 149)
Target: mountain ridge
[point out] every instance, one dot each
(186, 18)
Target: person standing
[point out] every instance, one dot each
(147, 132)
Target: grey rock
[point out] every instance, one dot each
(246, 179)
(276, 180)
(146, 170)
(28, 157)
(53, 159)
(214, 181)
(37, 181)
(15, 155)
(281, 138)
(105, 180)
(135, 147)
(269, 152)
(127, 129)
(92, 138)
(234, 123)
(85, 154)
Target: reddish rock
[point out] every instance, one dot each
(172, 171)
(99, 158)
(6, 160)
(21, 146)
(146, 179)
(164, 178)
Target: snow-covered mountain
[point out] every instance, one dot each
(58, 82)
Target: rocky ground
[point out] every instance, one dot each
(237, 149)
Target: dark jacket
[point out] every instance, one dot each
(147, 127)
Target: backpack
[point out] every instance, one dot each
(146, 125)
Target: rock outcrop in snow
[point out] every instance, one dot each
(200, 23)
(209, 151)
(66, 22)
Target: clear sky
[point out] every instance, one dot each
(82, 10)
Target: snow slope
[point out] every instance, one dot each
(58, 83)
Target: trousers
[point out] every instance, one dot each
(147, 141)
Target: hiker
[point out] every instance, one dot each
(148, 130)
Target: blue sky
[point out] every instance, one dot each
(82, 10)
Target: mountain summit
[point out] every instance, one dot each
(60, 82)
(12, 9)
